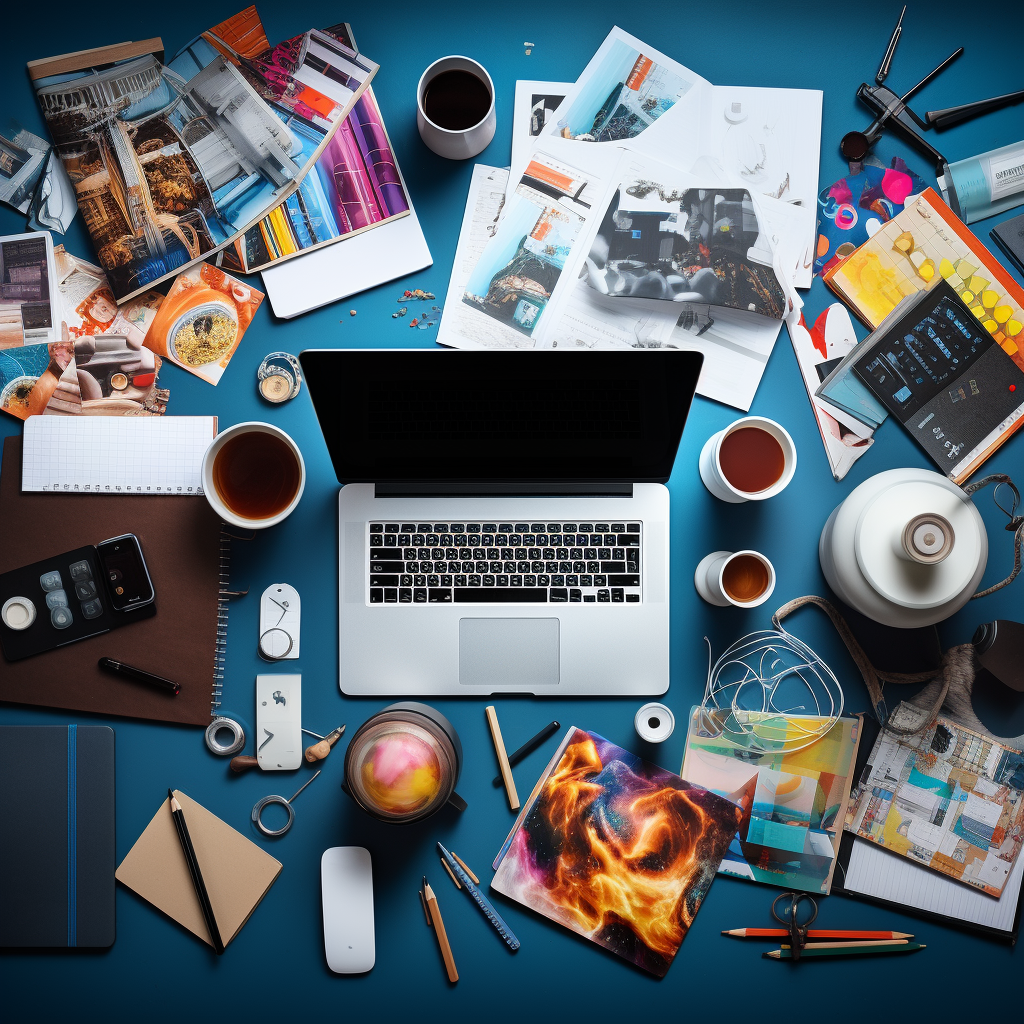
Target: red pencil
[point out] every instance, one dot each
(814, 933)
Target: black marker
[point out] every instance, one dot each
(528, 747)
(140, 675)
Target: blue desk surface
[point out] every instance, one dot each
(156, 970)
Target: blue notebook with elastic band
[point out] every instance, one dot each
(56, 836)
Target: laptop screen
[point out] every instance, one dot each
(468, 416)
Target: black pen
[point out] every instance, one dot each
(528, 747)
(197, 876)
(140, 675)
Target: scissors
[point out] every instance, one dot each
(791, 917)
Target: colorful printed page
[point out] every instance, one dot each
(914, 249)
(201, 322)
(355, 185)
(947, 798)
(792, 804)
(171, 163)
(616, 849)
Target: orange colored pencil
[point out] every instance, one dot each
(814, 933)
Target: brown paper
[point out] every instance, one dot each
(236, 871)
(180, 539)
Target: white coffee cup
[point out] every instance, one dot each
(708, 579)
(711, 466)
(446, 142)
(210, 488)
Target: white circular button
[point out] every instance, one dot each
(18, 613)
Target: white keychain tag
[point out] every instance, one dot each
(280, 618)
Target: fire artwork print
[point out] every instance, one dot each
(685, 245)
(616, 849)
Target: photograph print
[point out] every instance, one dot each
(621, 95)
(687, 245)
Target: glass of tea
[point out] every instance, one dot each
(743, 579)
(750, 460)
(253, 475)
(455, 108)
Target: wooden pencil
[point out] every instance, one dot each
(869, 949)
(851, 944)
(815, 933)
(442, 935)
(503, 765)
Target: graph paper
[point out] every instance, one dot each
(116, 454)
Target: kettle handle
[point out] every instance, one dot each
(457, 802)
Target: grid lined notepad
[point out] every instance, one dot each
(116, 454)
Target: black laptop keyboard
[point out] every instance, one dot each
(504, 563)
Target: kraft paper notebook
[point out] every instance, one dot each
(236, 871)
(57, 845)
(187, 558)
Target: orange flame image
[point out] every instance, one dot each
(618, 850)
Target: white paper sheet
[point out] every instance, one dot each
(352, 265)
(535, 102)
(116, 454)
(874, 871)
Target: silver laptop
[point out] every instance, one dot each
(503, 524)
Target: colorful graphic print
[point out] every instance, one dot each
(947, 798)
(618, 850)
(852, 209)
(793, 803)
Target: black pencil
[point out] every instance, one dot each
(197, 876)
(528, 747)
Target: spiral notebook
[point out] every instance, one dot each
(189, 562)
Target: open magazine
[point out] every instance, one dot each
(171, 162)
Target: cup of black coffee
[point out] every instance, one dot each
(455, 107)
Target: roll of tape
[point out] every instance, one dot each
(654, 723)
(257, 812)
(214, 742)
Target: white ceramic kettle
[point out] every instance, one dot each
(907, 548)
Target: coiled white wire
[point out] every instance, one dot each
(744, 687)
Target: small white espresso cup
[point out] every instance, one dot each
(210, 487)
(708, 579)
(455, 145)
(711, 466)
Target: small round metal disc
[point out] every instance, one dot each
(276, 388)
(119, 381)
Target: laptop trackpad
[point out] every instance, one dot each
(515, 653)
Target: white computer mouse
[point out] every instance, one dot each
(346, 880)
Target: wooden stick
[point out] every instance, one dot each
(442, 935)
(451, 874)
(503, 765)
(466, 868)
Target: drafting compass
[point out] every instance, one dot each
(280, 613)
(891, 111)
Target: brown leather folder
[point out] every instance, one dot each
(181, 540)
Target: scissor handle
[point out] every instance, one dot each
(792, 921)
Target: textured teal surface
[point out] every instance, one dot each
(156, 971)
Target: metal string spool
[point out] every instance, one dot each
(769, 692)
(216, 745)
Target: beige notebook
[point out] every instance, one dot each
(236, 871)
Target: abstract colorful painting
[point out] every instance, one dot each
(793, 802)
(945, 797)
(616, 849)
